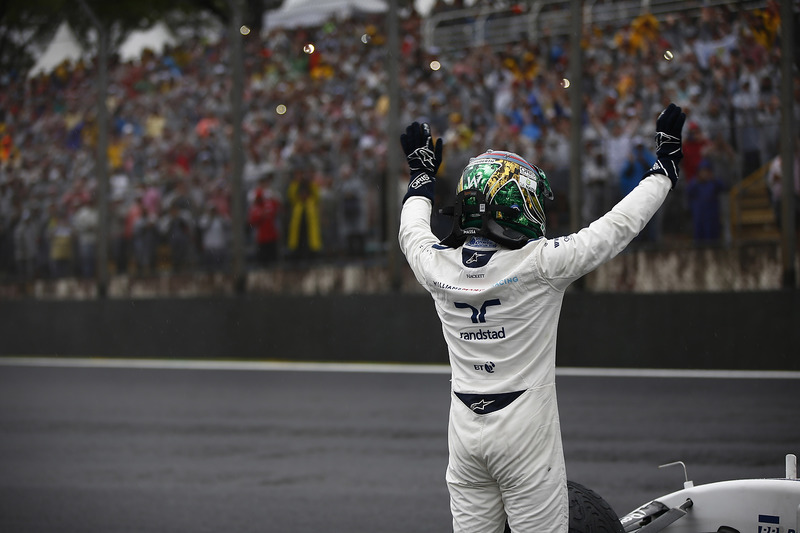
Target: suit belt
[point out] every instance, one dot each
(483, 404)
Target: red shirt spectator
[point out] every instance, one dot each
(693, 145)
(263, 216)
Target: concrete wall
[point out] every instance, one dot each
(750, 330)
(752, 268)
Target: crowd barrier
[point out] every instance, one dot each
(740, 331)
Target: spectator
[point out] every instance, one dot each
(722, 158)
(769, 120)
(774, 178)
(151, 196)
(703, 195)
(745, 103)
(176, 228)
(145, 243)
(42, 220)
(640, 159)
(131, 222)
(263, 216)
(7, 247)
(693, 146)
(597, 182)
(554, 155)
(712, 120)
(118, 250)
(62, 242)
(255, 168)
(329, 212)
(304, 240)
(215, 230)
(26, 242)
(617, 140)
(352, 214)
(85, 222)
(76, 196)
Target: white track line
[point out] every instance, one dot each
(85, 362)
(678, 373)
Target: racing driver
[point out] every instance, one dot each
(498, 283)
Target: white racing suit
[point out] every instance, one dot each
(499, 310)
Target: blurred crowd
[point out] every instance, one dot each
(315, 114)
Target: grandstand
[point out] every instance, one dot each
(495, 25)
(501, 83)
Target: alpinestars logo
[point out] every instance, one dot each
(668, 141)
(422, 158)
(481, 405)
(474, 258)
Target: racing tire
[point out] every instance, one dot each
(588, 512)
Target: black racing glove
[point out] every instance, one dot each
(668, 143)
(423, 160)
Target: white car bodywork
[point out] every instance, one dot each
(738, 506)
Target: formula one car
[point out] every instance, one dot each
(738, 506)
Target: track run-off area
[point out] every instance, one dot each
(112, 445)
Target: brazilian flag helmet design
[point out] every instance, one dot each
(500, 196)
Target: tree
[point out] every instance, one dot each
(28, 25)
(23, 26)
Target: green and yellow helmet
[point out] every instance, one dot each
(500, 196)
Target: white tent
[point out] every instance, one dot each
(299, 13)
(155, 39)
(64, 46)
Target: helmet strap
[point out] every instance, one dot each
(489, 227)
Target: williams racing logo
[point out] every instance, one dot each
(478, 316)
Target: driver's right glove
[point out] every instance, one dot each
(423, 159)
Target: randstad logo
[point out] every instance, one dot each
(483, 334)
(478, 316)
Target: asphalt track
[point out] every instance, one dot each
(103, 447)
